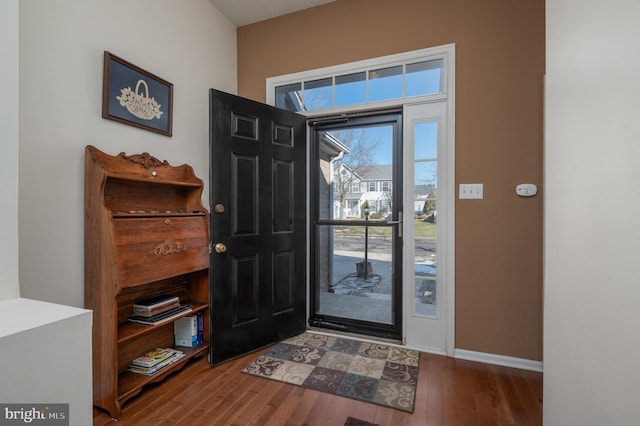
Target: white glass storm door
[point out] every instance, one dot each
(356, 282)
(426, 262)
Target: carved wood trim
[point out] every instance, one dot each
(145, 160)
(169, 246)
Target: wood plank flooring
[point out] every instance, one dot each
(450, 392)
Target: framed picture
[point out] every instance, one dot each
(136, 97)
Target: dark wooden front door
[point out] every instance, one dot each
(258, 225)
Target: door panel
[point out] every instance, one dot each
(283, 197)
(258, 225)
(283, 288)
(244, 281)
(245, 195)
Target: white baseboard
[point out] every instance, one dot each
(487, 358)
(505, 361)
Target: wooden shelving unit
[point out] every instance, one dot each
(146, 234)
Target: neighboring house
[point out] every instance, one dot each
(372, 184)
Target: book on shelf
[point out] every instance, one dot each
(155, 305)
(155, 311)
(189, 331)
(152, 358)
(186, 341)
(162, 317)
(185, 331)
(148, 365)
(200, 317)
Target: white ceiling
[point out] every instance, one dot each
(244, 12)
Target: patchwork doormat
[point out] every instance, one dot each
(370, 372)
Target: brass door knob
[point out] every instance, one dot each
(220, 248)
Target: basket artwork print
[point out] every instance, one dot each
(133, 96)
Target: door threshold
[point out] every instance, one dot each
(355, 336)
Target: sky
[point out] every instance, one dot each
(425, 147)
(384, 84)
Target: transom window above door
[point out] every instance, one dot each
(369, 83)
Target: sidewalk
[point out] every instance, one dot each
(357, 298)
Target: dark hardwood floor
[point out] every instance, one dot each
(450, 392)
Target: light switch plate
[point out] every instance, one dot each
(471, 191)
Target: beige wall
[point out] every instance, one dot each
(499, 87)
(9, 288)
(61, 45)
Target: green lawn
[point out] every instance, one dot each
(422, 229)
(425, 229)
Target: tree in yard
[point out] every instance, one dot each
(430, 203)
(362, 146)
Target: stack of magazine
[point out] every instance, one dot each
(158, 310)
(153, 361)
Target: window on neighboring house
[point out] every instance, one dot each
(355, 186)
(386, 186)
(372, 186)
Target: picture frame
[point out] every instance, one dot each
(133, 96)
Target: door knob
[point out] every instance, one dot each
(219, 208)
(220, 248)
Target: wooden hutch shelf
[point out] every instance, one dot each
(146, 234)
